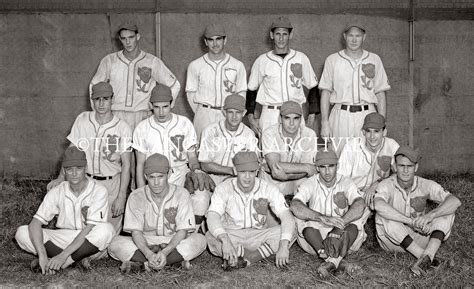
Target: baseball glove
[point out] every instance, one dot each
(198, 181)
(332, 244)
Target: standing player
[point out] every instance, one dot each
(355, 82)
(289, 149)
(212, 77)
(80, 205)
(327, 208)
(402, 221)
(106, 140)
(173, 136)
(160, 218)
(279, 75)
(237, 218)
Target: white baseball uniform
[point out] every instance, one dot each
(133, 81)
(103, 145)
(211, 82)
(302, 149)
(352, 82)
(333, 202)
(412, 204)
(73, 214)
(278, 80)
(159, 224)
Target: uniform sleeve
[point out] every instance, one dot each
(49, 207)
(163, 75)
(269, 142)
(139, 142)
(256, 76)
(192, 78)
(437, 193)
(327, 81)
(218, 200)
(380, 79)
(207, 148)
(277, 200)
(134, 219)
(303, 193)
(382, 191)
(241, 82)
(309, 77)
(102, 73)
(185, 215)
(98, 211)
(75, 133)
(352, 192)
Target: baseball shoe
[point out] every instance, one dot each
(131, 267)
(348, 267)
(241, 263)
(186, 265)
(35, 266)
(85, 264)
(325, 269)
(421, 265)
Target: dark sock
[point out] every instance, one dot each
(51, 249)
(352, 233)
(85, 250)
(313, 237)
(138, 257)
(406, 242)
(174, 257)
(437, 235)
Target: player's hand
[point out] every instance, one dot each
(229, 253)
(255, 126)
(118, 206)
(333, 222)
(43, 262)
(325, 130)
(57, 262)
(422, 222)
(282, 256)
(161, 261)
(54, 183)
(369, 196)
(278, 172)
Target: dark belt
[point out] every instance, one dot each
(273, 106)
(212, 107)
(100, 178)
(354, 108)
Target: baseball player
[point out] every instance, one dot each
(80, 205)
(289, 149)
(222, 140)
(161, 220)
(327, 207)
(237, 218)
(106, 140)
(279, 75)
(173, 136)
(402, 221)
(354, 82)
(213, 77)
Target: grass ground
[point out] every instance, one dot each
(20, 199)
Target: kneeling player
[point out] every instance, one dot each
(402, 221)
(328, 225)
(161, 220)
(81, 207)
(237, 216)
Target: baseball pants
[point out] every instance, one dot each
(132, 118)
(205, 116)
(113, 187)
(122, 248)
(391, 233)
(347, 124)
(100, 236)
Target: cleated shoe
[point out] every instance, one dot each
(325, 269)
(348, 267)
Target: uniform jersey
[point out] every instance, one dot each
(103, 144)
(365, 167)
(353, 82)
(412, 204)
(213, 81)
(334, 201)
(219, 145)
(239, 210)
(172, 139)
(176, 212)
(281, 79)
(74, 212)
(133, 80)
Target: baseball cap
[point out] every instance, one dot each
(73, 157)
(290, 107)
(156, 163)
(325, 157)
(246, 161)
(412, 154)
(214, 30)
(348, 27)
(128, 25)
(282, 22)
(374, 120)
(235, 101)
(101, 89)
(161, 93)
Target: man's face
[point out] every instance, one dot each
(216, 44)
(162, 111)
(75, 175)
(281, 38)
(233, 118)
(373, 137)
(129, 40)
(405, 169)
(103, 104)
(354, 39)
(291, 123)
(158, 182)
(246, 180)
(327, 173)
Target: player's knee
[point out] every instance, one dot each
(200, 242)
(105, 230)
(393, 228)
(22, 235)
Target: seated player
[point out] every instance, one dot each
(327, 208)
(289, 149)
(82, 229)
(161, 220)
(237, 216)
(402, 221)
(222, 140)
(173, 136)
